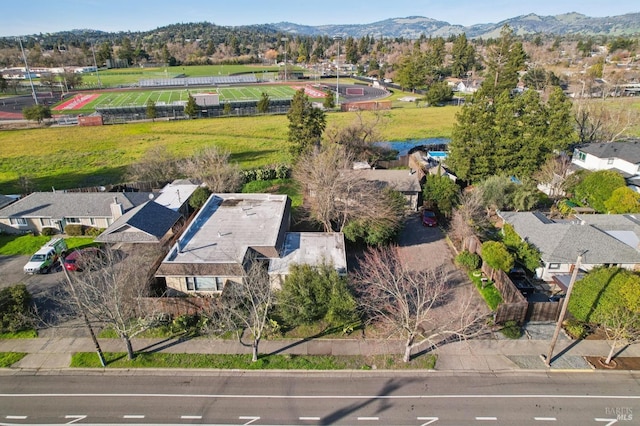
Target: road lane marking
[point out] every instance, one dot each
(76, 417)
(309, 418)
(545, 419)
(611, 421)
(487, 418)
(430, 420)
(368, 418)
(251, 419)
(133, 416)
(191, 417)
(15, 417)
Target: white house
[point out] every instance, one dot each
(623, 157)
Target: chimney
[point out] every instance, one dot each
(116, 209)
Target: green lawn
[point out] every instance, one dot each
(243, 362)
(7, 359)
(68, 157)
(489, 292)
(26, 245)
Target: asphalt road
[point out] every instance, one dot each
(397, 398)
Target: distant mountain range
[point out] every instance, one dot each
(413, 27)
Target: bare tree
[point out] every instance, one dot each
(248, 303)
(597, 120)
(553, 174)
(420, 305)
(211, 166)
(621, 326)
(111, 290)
(358, 137)
(337, 194)
(470, 217)
(157, 166)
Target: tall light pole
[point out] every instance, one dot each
(28, 71)
(285, 57)
(95, 64)
(338, 38)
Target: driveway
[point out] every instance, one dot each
(422, 247)
(39, 285)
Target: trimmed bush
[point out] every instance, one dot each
(511, 330)
(93, 231)
(49, 231)
(74, 230)
(574, 328)
(469, 261)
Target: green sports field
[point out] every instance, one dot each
(168, 97)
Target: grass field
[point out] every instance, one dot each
(168, 97)
(68, 157)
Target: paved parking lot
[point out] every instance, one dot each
(39, 285)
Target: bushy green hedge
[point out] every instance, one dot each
(469, 261)
(280, 171)
(49, 231)
(15, 309)
(74, 230)
(511, 330)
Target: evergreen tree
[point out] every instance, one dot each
(411, 72)
(263, 103)
(463, 56)
(191, 108)
(306, 123)
(152, 110)
(504, 60)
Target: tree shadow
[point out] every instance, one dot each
(388, 388)
(169, 342)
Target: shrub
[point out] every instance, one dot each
(199, 197)
(574, 328)
(93, 231)
(283, 171)
(469, 261)
(511, 330)
(15, 302)
(49, 231)
(74, 230)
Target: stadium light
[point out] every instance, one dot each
(285, 57)
(28, 72)
(338, 38)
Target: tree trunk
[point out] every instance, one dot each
(127, 342)
(254, 351)
(611, 351)
(407, 349)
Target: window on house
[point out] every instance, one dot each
(18, 221)
(204, 283)
(580, 156)
(610, 160)
(72, 220)
(92, 221)
(554, 266)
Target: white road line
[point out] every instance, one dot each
(75, 417)
(308, 418)
(487, 418)
(545, 419)
(250, 418)
(368, 418)
(191, 417)
(430, 420)
(133, 416)
(15, 417)
(609, 421)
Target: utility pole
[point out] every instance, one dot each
(563, 311)
(285, 57)
(95, 64)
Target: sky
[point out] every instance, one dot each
(42, 16)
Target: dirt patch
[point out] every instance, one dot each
(620, 363)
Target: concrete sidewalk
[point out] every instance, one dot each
(482, 355)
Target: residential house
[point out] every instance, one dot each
(5, 201)
(404, 181)
(175, 196)
(622, 157)
(609, 240)
(56, 210)
(147, 223)
(229, 231)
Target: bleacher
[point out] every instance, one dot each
(198, 81)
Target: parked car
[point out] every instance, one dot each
(429, 218)
(45, 258)
(78, 260)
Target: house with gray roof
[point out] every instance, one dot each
(56, 210)
(231, 229)
(407, 182)
(147, 223)
(623, 157)
(603, 239)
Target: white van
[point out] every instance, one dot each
(46, 257)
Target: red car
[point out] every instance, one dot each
(77, 259)
(429, 218)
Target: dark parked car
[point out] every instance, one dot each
(429, 218)
(78, 260)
